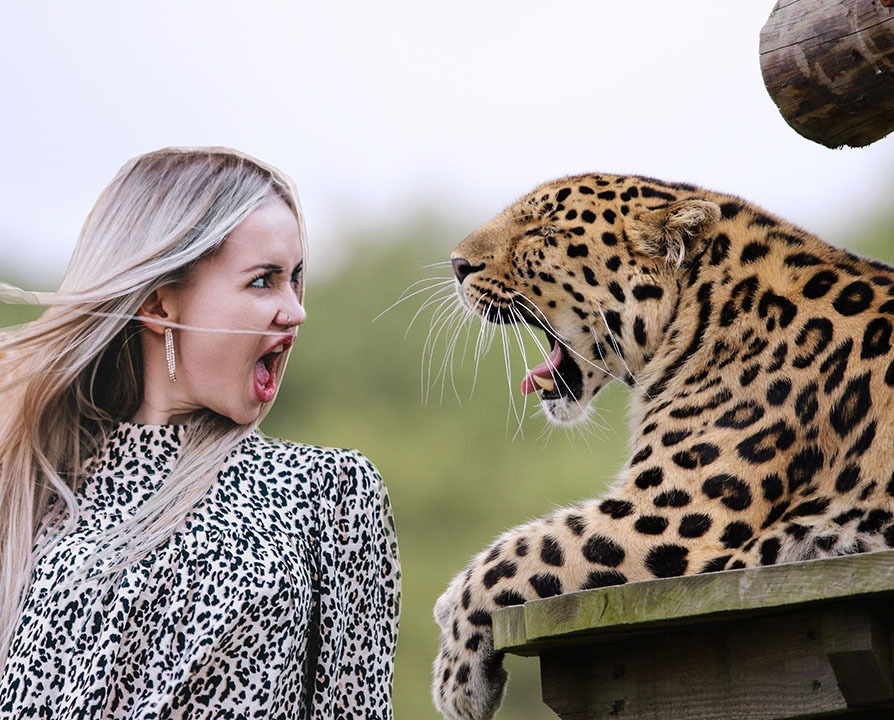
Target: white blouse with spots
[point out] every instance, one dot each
(279, 598)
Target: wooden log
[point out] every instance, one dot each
(829, 67)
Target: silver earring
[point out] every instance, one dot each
(169, 354)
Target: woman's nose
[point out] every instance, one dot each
(291, 316)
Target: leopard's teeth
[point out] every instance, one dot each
(547, 383)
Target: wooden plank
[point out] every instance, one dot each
(636, 607)
(509, 627)
(772, 668)
(858, 645)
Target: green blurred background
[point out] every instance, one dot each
(457, 470)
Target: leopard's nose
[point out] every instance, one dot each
(463, 268)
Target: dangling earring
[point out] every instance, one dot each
(169, 354)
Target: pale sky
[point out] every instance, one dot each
(379, 108)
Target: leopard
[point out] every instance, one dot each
(760, 371)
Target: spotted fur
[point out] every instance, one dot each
(760, 368)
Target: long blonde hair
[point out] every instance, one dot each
(70, 376)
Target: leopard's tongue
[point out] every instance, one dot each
(543, 372)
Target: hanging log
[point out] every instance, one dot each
(829, 67)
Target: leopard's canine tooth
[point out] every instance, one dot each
(547, 383)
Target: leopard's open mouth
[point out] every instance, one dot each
(557, 377)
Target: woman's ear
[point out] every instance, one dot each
(157, 307)
(673, 232)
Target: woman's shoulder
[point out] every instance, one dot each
(332, 469)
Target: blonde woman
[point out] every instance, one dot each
(159, 557)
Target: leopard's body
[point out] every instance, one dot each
(760, 365)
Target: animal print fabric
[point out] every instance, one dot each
(218, 621)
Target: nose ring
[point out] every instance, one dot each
(288, 321)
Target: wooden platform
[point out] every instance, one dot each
(804, 640)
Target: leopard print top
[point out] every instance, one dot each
(279, 598)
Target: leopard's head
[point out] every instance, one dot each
(596, 262)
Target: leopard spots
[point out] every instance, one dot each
(651, 524)
(736, 534)
(674, 437)
(807, 404)
(653, 477)
(853, 405)
(673, 498)
(779, 391)
(508, 597)
(763, 446)
(835, 365)
(816, 335)
(776, 309)
(504, 569)
(550, 552)
(699, 455)
(854, 298)
(694, 525)
(876, 339)
(720, 248)
(741, 416)
(603, 551)
(576, 524)
(800, 260)
(753, 252)
(820, 284)
(616, 509)
(603, 578)
(772, 487)
(760, 367)
(667, 560)
(803, 467)
(769, 551)
(546, 584)
(732, 491)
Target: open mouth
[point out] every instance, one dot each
(265, 371)
(558, 376)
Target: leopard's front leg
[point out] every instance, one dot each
(570, 550)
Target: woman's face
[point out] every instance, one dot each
(250, 283)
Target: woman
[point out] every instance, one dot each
(158, 556)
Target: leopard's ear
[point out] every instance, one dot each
(673, 232)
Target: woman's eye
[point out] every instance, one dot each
(263, 281)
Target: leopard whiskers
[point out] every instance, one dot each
(529, 305)
(545, 354)
(521, 347)
(455, 322)
(486, 334)
(440, 319)
(507, 362)
(436, 284)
